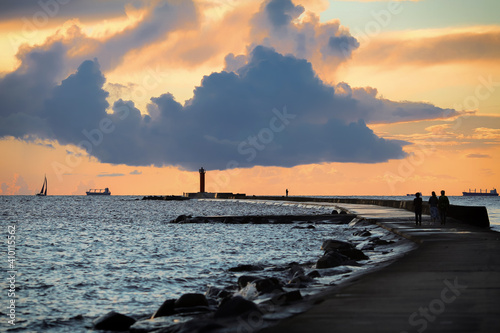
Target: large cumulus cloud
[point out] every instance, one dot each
(274, 110)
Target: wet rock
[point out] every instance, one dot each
(343, 248)
(314, 274)
(288, 297)
(166, 309)
(153, 325)
(237, 306)
(191, 300)
(267, 285)
(295, 270)
(299, 281)
(353, 254)
(362, 233)
(378, 241)
(113, 321)
(246, 279)
(334, 212)
(214, 292)
(332, 244)
(331, 259)
(246, 268)
(181, 218)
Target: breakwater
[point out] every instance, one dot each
(472, 215)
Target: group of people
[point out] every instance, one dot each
(438, 207)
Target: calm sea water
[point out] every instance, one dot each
(79, 257)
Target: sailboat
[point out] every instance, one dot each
(43, 191)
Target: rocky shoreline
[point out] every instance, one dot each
(260, 295)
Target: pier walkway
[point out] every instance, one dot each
(450, 283)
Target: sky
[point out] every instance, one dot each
(314, 96)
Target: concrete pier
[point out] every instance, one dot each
(473, 215)
(450, 283)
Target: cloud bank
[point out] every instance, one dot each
(272, 111)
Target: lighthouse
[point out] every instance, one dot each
(202, 180)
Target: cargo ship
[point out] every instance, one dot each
(492, 193)
(99, 192)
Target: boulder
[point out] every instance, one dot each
(314, 274)
(343, 248)
(113, 321)
(362, 233)
(331, 259)
(191, 300)
(246, 279)
(236, 306)
(295, 270)
(332, 244)
(353, 254)
(267, 285)
(166, 309)
(288, 297)
(246, 268)
(181, 218)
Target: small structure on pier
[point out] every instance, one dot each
(211, 195)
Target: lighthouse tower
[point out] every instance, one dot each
(202, 180)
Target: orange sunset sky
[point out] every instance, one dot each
(318, 97)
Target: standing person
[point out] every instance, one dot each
(417, 204)
(433, 203)
(287, 193)
(443, 204)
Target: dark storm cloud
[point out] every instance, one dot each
(273, 111)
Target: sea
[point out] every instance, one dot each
(66, 260)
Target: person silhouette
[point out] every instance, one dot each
(287, 192)
(433, 203)
(443, 205)
(417, 205)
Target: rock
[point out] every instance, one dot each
(295, 270)
(362, 233)
(314, 274)
(343, 248)
(378, 241)
(288, 297)
(334, 212)
(113, 321)
(191, 300)
(353, 254)
(343, 212)
(181, 218)
(299, 281)
(332, 244)
(331, 259)
(237, 306)
(166, 309)
(153, 325)
(246, 279)
(267, 285)
(246, 268)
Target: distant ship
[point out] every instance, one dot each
(43, 191)
(492, 193)
(99, 192)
